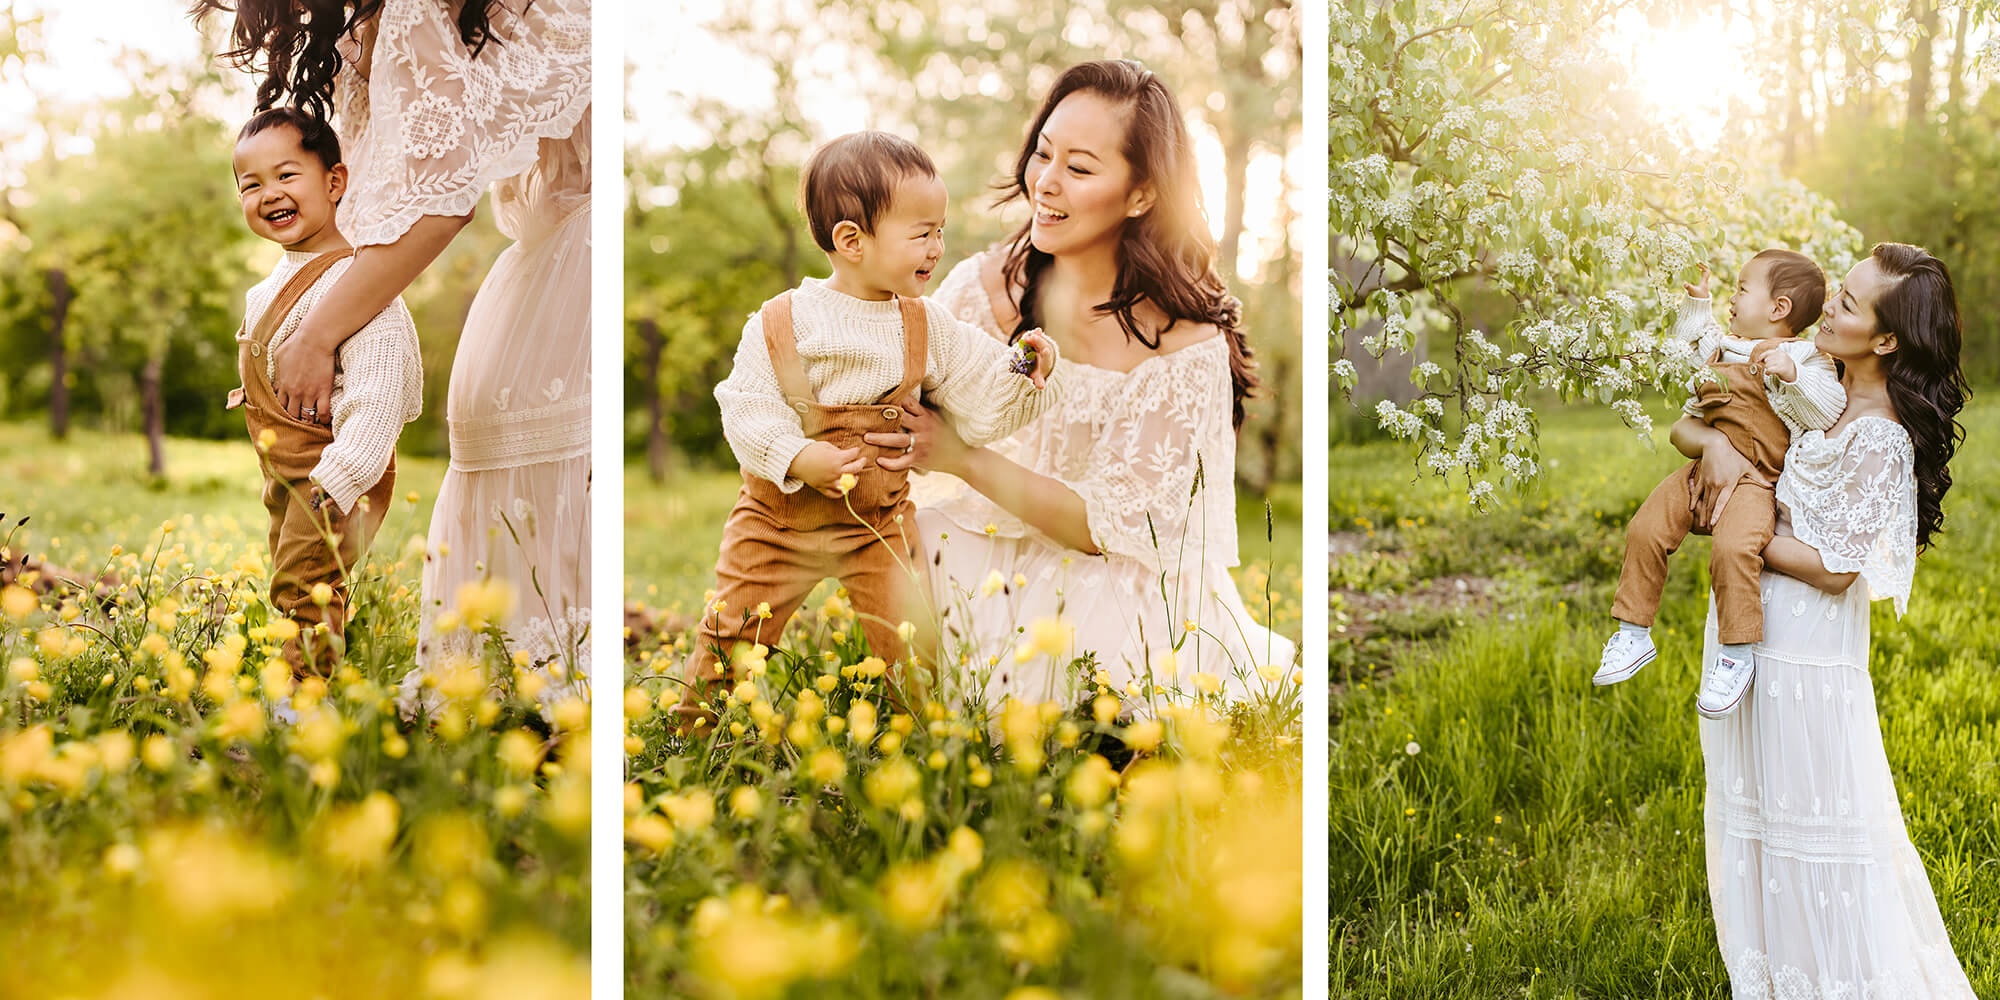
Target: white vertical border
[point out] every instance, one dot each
(1315, 455)
(607, 500)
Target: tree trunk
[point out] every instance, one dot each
(1916, 111)
(1236, 169)
(1954, 101)
(59, 300)
(656, 430)
(156, 418)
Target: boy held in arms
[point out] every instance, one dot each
(1772, 386)
(823, 364)
(326, 488)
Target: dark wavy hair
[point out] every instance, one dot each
(294, 42)
(1926, 384)
(1165, 256)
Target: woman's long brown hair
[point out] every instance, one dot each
(294, 43)
(1165, 256)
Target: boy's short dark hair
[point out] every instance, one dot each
(853, 178)
(1795, 276)
(315, 134)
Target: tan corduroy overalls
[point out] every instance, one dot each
(300, 555)
(777, 546)
(1742, 412)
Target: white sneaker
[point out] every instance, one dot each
(283, 713)
(1624, 653)
(1724, 684)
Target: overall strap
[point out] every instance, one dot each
(783, 343)
(916, 349)
(1005, 315)
(288, 296)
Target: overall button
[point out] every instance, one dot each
(800, 406)
(256, 350)
(891, 413)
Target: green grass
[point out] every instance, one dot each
(1545, 837)
(948, 852)
(159, 836)
(672, 529)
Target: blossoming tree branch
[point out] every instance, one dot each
(1500, 149)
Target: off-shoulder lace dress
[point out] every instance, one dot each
(428, 131)
(1152, 455)
(1816, 889)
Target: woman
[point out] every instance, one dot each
(1115, 512)
(1816, 888)
(437, 102)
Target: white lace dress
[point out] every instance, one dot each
(1152, 455)
(1817, 891)
(428, 132)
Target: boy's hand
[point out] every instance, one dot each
(1043, 359)
(820, 465)
(1780, 364)
(1698, 289)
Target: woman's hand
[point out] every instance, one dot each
(304, 379)
(1716, 475)
(927, 443)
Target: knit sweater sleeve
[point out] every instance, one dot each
(378, 389)
(1695, 326)
(762, 430)
(968, 379)
(1815, 399)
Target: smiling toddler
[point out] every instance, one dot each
(326, 488)
(825, 363)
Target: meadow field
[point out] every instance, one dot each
(162, 835)
(821, 843)
(1499, 827)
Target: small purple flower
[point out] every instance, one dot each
(1021, 360)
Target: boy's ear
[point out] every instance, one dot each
(847, 239)
(336, 181)
(1140, 201)
(1781, 307)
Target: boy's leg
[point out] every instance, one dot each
(301, 559)
(760, 563)
(881, 577)
(1737, 561)
(1653, 534)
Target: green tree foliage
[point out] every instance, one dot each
(1498, 189)
(713, 231)
(1511, 220)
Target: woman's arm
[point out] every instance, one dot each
(1043, 503)
(304, 362)
(1719, 468)
(1786, 554)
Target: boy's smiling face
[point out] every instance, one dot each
(1754, 313)
(901, 254)
(288, 195)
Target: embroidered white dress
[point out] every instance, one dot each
(1817, 891)
(1152, 455)
(427, 132)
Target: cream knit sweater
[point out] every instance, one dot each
(1812, 401)
(852, 352)
(378, 385)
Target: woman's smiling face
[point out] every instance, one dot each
(1079, 178)
(1849, 330)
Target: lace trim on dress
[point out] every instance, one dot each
(1853, 497)
(1752, 976)
(437, 127)
(1823, 839)
(510, 439)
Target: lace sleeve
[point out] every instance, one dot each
(1160, 483)
(438, 125)
(1860, 509)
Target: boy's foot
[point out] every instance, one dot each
(283, 713)
(1624, 653)
(1724, 684)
